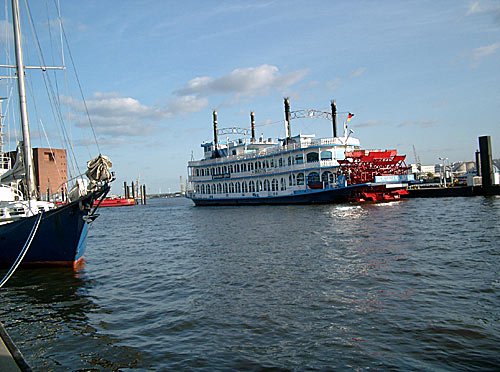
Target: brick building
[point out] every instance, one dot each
(51, 170)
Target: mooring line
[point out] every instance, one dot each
(23, 251)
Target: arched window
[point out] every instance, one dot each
(251, 186)
(290, 160)
(327, 177)
(197, 188)
(259, 185)
(244, 187)
(274, 185)
(300, 179)
(237, 168)
(238, 187)
(280, 162)
(313, 180)
(283, 184)
(224, 169)
(213, 189)
(225, 188)
(202, 189)
(326, 155)
(219, 188)
(267, 185)
(231, 168)
(299, 159)
(312, 157)
(231, 188)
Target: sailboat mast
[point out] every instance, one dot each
(28, 156)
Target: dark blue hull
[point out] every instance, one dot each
(60, 239)
(329, 196)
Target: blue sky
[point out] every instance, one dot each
(414, 73)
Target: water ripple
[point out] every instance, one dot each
(411, 285)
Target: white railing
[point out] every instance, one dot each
(304, 144)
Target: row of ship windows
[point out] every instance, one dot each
(311, 157)
(265, 185)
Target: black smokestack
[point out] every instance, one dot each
(334, 117)
(252, 123)
(287, 119)
(216, 140)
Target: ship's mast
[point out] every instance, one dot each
(1, 126)
(28, 157)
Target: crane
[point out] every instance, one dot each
(417, 161)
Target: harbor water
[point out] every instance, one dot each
(409, 285)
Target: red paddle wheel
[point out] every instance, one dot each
(379, 170)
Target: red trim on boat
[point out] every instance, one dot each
(116, 202)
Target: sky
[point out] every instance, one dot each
(420, 76)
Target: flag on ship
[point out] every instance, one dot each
(349, 117)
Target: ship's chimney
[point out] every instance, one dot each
(252, 121)
(287, 119)
(334, 117)
(215, 153)
(215, 129)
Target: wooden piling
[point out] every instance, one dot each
(143, 194)
(486, 161)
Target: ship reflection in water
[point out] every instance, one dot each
(52, 326)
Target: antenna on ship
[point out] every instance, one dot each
(252, 123)
(334, 117)
(287, 120)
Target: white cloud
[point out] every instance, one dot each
(187, 103)
(358, 72)
(334, 84)
(243, 82)
(113, 115)
(418, 123)
(474, 7)
(480, 53)
(480, 7)
(370, 123)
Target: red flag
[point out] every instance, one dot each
(349, 116)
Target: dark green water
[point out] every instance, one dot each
(412, 285)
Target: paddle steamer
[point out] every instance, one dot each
(300, 169)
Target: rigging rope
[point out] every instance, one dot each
(23, 252)
(52, 94)
(80, 88)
